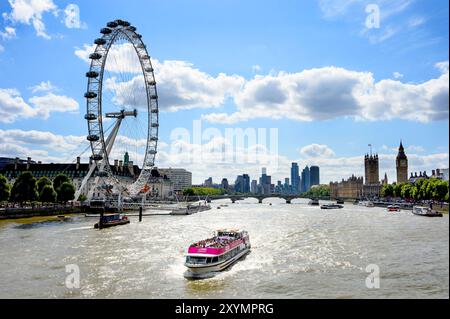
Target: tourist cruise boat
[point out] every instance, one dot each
(425, 211)
(206, 257)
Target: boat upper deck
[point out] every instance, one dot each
(213, 248)
(219, 244)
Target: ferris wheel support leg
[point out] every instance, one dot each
(85, 180)
(109, 144)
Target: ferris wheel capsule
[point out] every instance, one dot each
(90, 117)
(91, 74)
(95, 56)
(112, 24)
(105, 31)
(100, 41)
(90, 95)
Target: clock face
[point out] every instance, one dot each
(403, 163)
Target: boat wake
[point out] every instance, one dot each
(191, 276)
(79, 228)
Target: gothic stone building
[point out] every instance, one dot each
(372, 185)
(402, 165)
(350, 188)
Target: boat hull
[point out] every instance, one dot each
(425, 212)
(331, 206)
(205, 271)
(112, 224)
(428, 215)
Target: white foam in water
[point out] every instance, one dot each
(80, 228)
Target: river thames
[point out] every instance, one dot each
(298, 251)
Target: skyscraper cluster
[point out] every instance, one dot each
(299, 182)
(302, 182)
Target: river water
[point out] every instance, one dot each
(298, 251)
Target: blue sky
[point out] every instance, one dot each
(311, 69)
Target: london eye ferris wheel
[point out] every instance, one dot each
(121, 107)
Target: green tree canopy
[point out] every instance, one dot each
(439, 189)
(318, 191)
(24, 188)
(397, 189)
(188, 192)
(422, 189)
(48, 194)
(65, 192)
(407, 191)
(203, 191)
(387, 191)
(59, 180)
(5, 189)
(43, 181)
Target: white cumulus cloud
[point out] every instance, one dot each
(43, 87)
(331, 92)
(31, 12)
(72, 17)
(316, 150)
(9, 33)
(13, 107)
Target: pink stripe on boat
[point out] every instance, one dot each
(212, 250)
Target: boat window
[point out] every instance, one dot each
(215, 259)
(195, 260)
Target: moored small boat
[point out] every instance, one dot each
(110, 220)
(393, 208)
(331, 206)
(339, 201)
(425, 211)
(206, 257)
(314, 202)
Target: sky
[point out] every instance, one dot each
(313, 82)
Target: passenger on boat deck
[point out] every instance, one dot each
(212, 242)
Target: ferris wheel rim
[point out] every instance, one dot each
(94, 116)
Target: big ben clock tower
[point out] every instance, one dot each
(402, 165)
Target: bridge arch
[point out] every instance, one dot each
(274, 199)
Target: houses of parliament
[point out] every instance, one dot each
(370, 186)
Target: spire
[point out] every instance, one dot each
(401, 151)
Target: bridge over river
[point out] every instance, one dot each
(260, 198)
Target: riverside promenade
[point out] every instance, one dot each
(34, 211)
